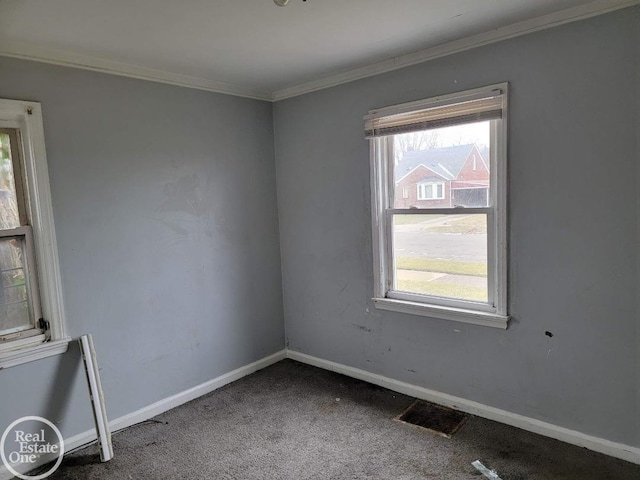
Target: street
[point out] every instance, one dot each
(414, 241)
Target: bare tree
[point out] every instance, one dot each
(409, 142)
(8, 205)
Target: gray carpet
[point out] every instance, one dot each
(292, 421)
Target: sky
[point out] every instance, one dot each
(462, 134)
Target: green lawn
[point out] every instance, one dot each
(464, 292)
(476, 269)
(466, 224)
(413, 219)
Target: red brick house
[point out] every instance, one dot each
(443, 177)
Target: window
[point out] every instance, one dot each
(446, 258)
(405, 192)
(31, 309)
(430, 191)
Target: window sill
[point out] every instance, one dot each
(473, 317)
(11, 358)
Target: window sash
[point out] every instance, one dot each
(31, 277)
(25, 231)
(391, 290)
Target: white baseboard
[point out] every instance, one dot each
(191, 394)
(613, 449)
(163, 405)
(618, 450)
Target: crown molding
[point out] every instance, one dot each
(68, 59)
(581, 12)
(87, 62)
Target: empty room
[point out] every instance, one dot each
(320, 239)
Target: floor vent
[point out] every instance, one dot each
(434, 418)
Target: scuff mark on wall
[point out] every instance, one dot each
(183, 195)
(362, 327)
(550, 335)
(184, 209)
(345, 309)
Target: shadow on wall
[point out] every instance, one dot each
(66, 375)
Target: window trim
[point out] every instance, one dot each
(494, 313)
(27, 118)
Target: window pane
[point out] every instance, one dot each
(441, 255)
(9, 217)
(14, 294)
(438, 167)
(429, 191)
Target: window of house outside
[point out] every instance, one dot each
(430, 191)
(31, 307)
(441, 251)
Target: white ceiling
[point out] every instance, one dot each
(253, 47)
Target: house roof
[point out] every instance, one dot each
(445, 162)
(430, 178)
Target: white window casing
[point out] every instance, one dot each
(483, 104)
(26, 118)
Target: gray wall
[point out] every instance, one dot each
(573, 159)
(165, 207)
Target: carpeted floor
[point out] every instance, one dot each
(293, 421)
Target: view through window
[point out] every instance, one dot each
(442, 254)
(18, 288)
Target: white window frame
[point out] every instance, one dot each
(434, 191)
(26, 118)
(405, 193)
(492, 313)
